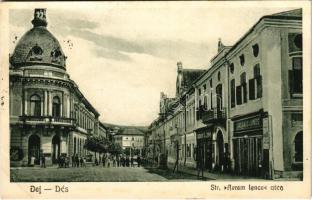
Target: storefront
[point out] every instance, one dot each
(250, 145)
(204, 150)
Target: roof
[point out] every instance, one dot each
(190, 75)
(289, 13)
(295, 14)
(130, 131)
(38, 46)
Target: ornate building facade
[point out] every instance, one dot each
(248, 105)
(48, 113)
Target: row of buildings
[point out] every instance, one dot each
(243, 114)
(49, 115)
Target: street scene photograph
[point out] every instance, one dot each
(156, 93)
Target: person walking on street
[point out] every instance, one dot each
(139, 161)
(42, 161)
(127, 161)
(118, 160)
(103, 160)
(131, 161)
(77, 160)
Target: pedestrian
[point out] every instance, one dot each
(81, 162)
(118, 160)
(77, 160)
(73, 160)
(127, 161)
(43, 161)
(103, 160)
(122, 160)
(84, 162)
(108, 161)
(139, 161)
(132, 161)
(66, 162)
(96, 161)
(114, 161)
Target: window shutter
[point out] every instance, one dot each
(252, 89)
(290, 81)
(244, 92)
(259, 87)
(239, 95)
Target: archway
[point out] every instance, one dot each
(55, 148)
(220, 151)
(34, 149)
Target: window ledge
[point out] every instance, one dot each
(296, 95)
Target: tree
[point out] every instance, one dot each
(115, 148)
(97, 144)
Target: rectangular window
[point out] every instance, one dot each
(232, 93)
(295, 76)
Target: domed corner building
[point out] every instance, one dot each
(49, 116)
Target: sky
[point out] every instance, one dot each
(124, 54)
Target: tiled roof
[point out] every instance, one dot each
(40, 37)
(290, 13)
(190, 75)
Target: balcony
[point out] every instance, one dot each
(213, 115)
(47, 120)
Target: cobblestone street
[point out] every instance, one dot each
(96, 174)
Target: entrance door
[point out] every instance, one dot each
(34, 149)
(55, 149)
(220, 150)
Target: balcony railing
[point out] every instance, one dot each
(48, 120)
(213, 115)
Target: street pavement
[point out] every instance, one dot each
(96, 174)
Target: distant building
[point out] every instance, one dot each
(131, 139)
(49, 116)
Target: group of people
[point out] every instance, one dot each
(120, 161)
(78, 161)
(107, 160)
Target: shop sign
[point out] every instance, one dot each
(247, 124)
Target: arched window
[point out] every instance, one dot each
(56, 107)
(35, 54)
(35, 105)
(298, 147)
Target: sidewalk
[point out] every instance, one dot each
(214, 176)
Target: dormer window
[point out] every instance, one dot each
(255, 50)
(232, 68)
(56, 56)
(35, 53)
(242, 59)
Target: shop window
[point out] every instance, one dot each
(35, 105)
(232, 93)
(295, 77)
(298, 147)
(56, 107)
(255, 50)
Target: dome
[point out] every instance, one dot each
(38, 46)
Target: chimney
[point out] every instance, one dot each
(180, 67)
(40, 17)
(220, 45)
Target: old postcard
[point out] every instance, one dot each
(155, 99)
